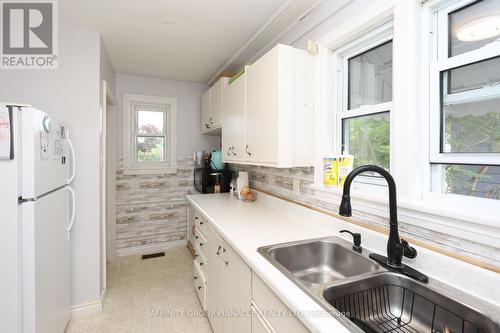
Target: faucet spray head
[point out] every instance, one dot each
(345, 206)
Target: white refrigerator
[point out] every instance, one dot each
(37, 165)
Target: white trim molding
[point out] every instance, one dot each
(148, 249)
(85, 310)
(130, 164)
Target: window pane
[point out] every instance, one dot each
(474, 26)
(471, 108)
(367, 139)
(370, 77)
(475, 180)
(150, 148)
(472, 127)
(149, 122)
(474, 76)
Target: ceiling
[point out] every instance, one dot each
(187, 40)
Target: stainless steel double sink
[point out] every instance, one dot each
(366, 297)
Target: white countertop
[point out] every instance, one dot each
(246, 226)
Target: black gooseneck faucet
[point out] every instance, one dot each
(396, 247)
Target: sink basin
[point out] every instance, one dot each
(321, 261)
(391, 302)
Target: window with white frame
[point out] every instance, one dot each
(363, 97)
(465, 99)
(149, 134)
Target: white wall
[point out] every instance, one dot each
(71, 93)
(188, 96)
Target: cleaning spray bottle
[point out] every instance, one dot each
(346, 163)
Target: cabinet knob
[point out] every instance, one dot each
(196, 237)
(199, 287)
(196, 217)
(201, 244)
(201, 222)
(195, 277)
(201, 264)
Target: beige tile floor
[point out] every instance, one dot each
(138, 289)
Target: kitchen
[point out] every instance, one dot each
(250, 166)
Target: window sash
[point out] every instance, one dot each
(441, 63)
(153, 108)
(376, 38)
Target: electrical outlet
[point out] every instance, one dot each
(296, 187)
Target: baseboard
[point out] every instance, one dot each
(86, 310)
(148, 249)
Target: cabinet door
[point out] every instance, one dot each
(233, 128)
(216, 100)
(215, 280)
(205, 111)
(262, 89)
(237, 292)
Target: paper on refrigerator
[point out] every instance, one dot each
(5, 134)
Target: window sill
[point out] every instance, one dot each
(150, 171)
(442, 213)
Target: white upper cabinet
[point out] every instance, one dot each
(212, 108)
(279, 98)
(233, 121)
(205, 111)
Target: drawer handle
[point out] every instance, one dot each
(232, 151)
(195, 277)
(201, 222)
(207, 125)
(249, 153)
(228, 150)
(201, 244)
(196, 256)
(196, 217)
(226, 262)
(201, 264)
(199, 287)
(196, 237)
(218, 250)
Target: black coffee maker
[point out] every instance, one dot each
(207, 179)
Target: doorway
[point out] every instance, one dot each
(107, 179)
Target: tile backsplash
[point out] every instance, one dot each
(295, 184)
(151, 208)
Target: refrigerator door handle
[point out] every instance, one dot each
(73, 209)
(73, 162)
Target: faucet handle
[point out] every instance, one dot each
(408, 251)
(356, 238)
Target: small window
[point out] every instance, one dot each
(149, 134)
(465, 113)
(363, 119)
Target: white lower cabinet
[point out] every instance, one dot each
(268, 303)
(259, 323)
(229, 288)
(236, 299)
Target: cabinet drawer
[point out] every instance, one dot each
(201, 263)
(200, 222)
(200, 242)
(200, 286)
(268, 302)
